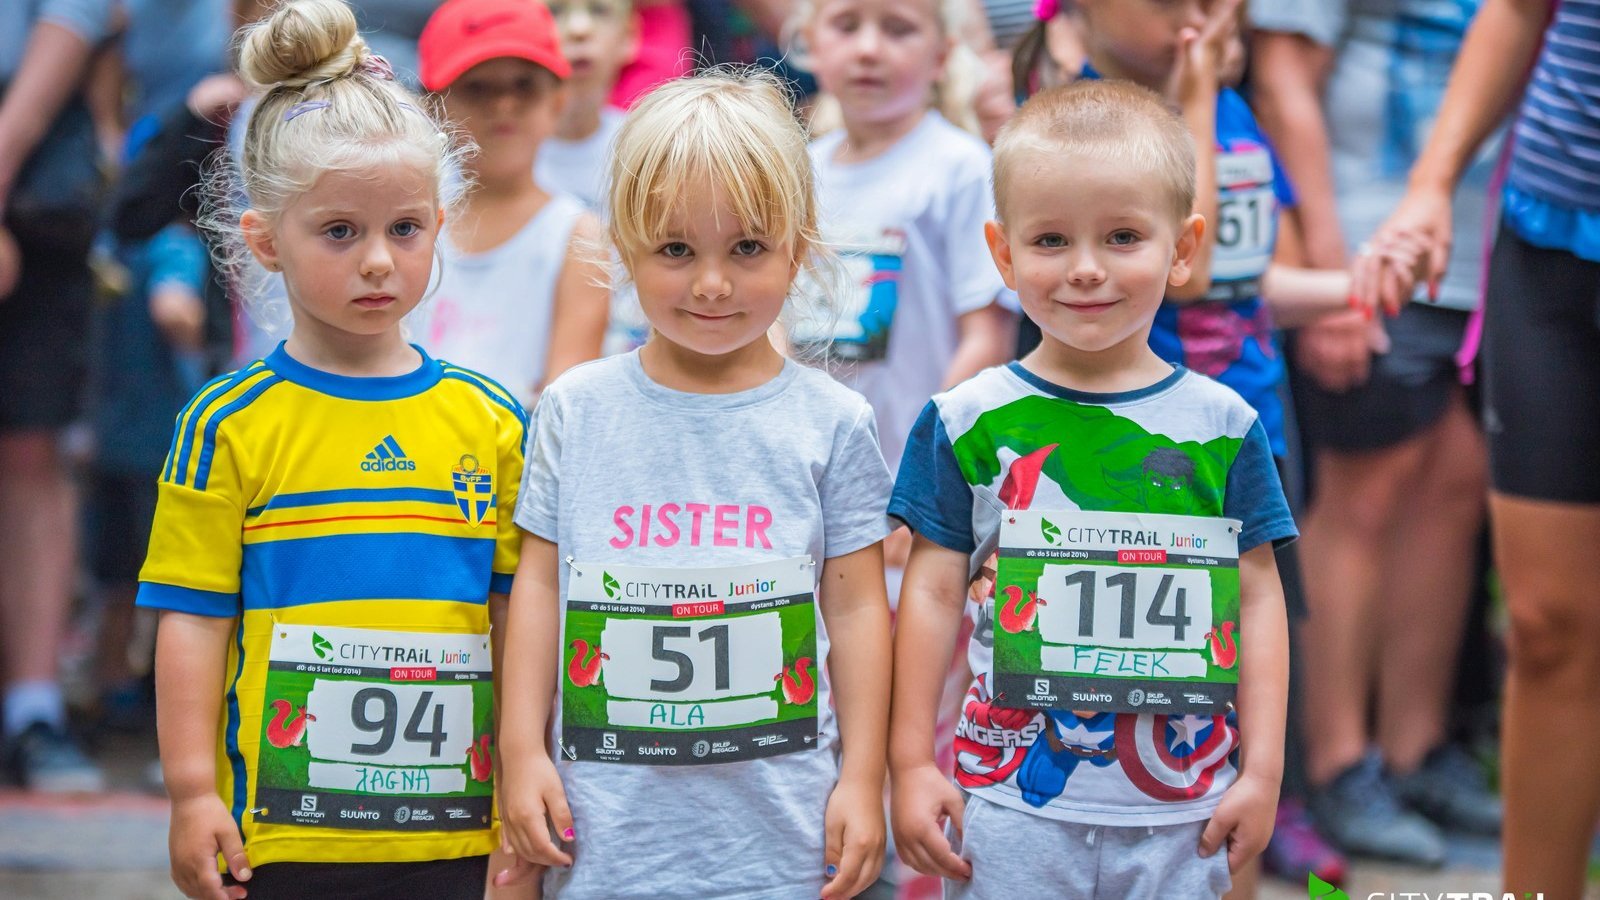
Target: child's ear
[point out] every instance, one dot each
(258, 238)
(995, 234)
(1187, 249)
(439, 223)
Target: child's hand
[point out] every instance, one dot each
(920, 802)
(215, 97)
(521, 871)
(202, 828)
(529, 793)
(1335, 351)
(1243, 819)
(1202, 55)
(1384, 275)
(180, 316)
(855, 839)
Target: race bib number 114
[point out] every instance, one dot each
(689, 666)
(1118, 612)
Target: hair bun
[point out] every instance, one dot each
(302, 42)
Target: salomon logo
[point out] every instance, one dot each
(387, 457)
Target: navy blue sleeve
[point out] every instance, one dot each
(1255, 495)
(930, 493)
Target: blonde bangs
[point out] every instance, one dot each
(733, 132)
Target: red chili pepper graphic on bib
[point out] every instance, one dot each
(480, 759)
(284, 732)
(581, 672)
(1223, 652)
(797, 684)
(1017, 615)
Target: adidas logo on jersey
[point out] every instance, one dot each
(387, 457)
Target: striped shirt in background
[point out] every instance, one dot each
(1553, 189)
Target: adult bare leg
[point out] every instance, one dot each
(1548, 555)
(1347, 533)
(38, 543)
(1427, 575)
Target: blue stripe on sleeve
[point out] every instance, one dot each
(202, 472)
(200, 406)
(154, 595)
(183, 416)
(499, 584)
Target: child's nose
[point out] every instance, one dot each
(577, 22)
(1086, 268)
(711, 282)
(869, 40)
(377, 261)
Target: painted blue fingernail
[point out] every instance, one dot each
(832, 870)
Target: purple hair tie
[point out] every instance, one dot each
(377, 67)
(1045, 10)
(299, 109)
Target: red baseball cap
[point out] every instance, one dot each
(462, 33)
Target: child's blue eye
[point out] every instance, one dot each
(1051, 241)
(1124, 237)
(675, 250)
(340, 232)
(747, 247)
(406, 229)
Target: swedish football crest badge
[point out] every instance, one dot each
(474, 489)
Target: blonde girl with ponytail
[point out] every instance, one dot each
(333, 531)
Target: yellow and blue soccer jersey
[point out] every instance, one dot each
(355, 527)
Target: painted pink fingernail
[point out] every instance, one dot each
(567, 835)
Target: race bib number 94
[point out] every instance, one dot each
(376, 729)
(1116, 612)
(690, 666)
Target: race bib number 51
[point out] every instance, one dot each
(689, 666)
(376, 729)
(1118, 612)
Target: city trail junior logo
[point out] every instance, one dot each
(610, 585)
(1317, 889)
(387, 457)
(1050, 531)
(474, 488)
(321, 646)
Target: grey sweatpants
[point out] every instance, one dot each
(1019, 856)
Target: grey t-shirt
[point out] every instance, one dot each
(1392, 60)
(800, 455)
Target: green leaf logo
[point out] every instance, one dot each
(1050, 531)
(324, 650)
(1317, 889)
(610, 584)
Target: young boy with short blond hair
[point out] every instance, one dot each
(1097, 747)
